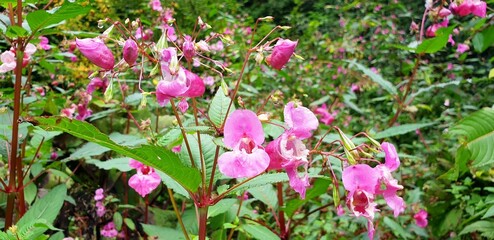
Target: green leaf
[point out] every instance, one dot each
(153, 156)
(437, 43)
(221, 207)
(162, 232)
(429, 88)
(489, 213)
(121, 164)
(259, 232)
(478, 130)
(320, 187)
(479, 226)
(46, 208)
(402, 129)
(266, 194)
(386, 85)
(208, 152)
(483, 40)
(460, 167)
(397, 229)
(219, 106)
(15, 31)
(130, 224)
(41, 19)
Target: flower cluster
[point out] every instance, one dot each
(100, 206)
(8, 58)
(109, 230)
(364, 183)
(145, 180)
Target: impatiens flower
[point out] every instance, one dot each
(325, 117)
(8, 61)
(130, 52)
(97, 52)
(145, 35)
(100, 209)
(444, 12)
(197, 86)
(188, 48)
(244, 134)
(282, 52)
(421, 218)
(96, 83)
(364, 183)
(146, 179)
(156, 5)
(462, 48)
(99, 194)
(431, 30)
(288, 151)
(43, 43)
(466, 7)
(175, 81)
(109, 230)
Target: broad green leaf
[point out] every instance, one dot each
(478, 130)
(266, 194)
(130, 223)
(320, 187)
(259, 232)
(437, 43)
(153, 156)
(347, 99)
(221, 207)
(219, 106)
(319, 101)
(489, 213)
(15, 31)
(208, 152)
(429, 88)
(40, 19)
(450, 221)
(375, 77)
(170, 183)
(460, 167)
(397, 229)
(483, 40)
(479, 226)
(121, 164)
(46, 208)
(402, 129)
(162, 233)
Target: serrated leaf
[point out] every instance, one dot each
(266, 194)
(222, 206)
(40, 19)
(479, 226)
(15, 31)
(402, 129)
(219, 106)
(121, 164)
(437, 43)
(375, 77)
(162, 233)
(208, 153)
(397, 229)
(153, 156)
(259, 232)
(489, 213)
(478, 129)
(45, 208)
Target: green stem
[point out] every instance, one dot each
(179, 216)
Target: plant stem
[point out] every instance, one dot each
(179, 216)
(203, 219)
(184, 134)
(281, 213)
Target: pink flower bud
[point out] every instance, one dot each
(444, 12)
(282, 52)
(188, 48)
(130, 52)
(462, 48)
(97, 52)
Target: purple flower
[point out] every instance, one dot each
(244, 134)
(8, 61)
(97, 52)
(462, 48)
(475, 7)
(281, 54)
(96, 83)
(99, 194)
(146, 179)
(188, 48)
(43, 43)
(130, 52)
(421, 218)
(325, 117)
(156, 5)
(109, 230)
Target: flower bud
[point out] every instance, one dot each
(188, 48)
(130, 51)
(282, 52)
(97, 52)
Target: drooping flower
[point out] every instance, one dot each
(325, 117)
(146, 35)
(8, 61)
(156, 5)
(100, 209)
(145, 180)
(188, 48)
(97, 52)
(109, 230)
(174, 81)
(244, 134)
(281, 54)
(421, 218)
(96, 83)
(462, 48)
(466, 7)
(197, 87)
(431, 30)
(130, 52)
(288, 151)
(44, 43)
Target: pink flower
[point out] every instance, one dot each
(175, 81)
(281, 54)
(156, 5)
(170, 33)
(130, 52)
(188, 48)
(109, 230)
(146, 179)
(99, 194)
(325, 117)
(431, 30)
(177, 149)
(96, 83)
(288, 151)
(244, 134)
(8, 61)
(43, 43)
(97, 52)
(475, 7)
(421, 218)
(197, 87)
(100, 209)
(183, 105)
(462, 48)
(83, 112)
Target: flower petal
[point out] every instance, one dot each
(301, 120)
(239, 163)
(242, 124)
(361, 177)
